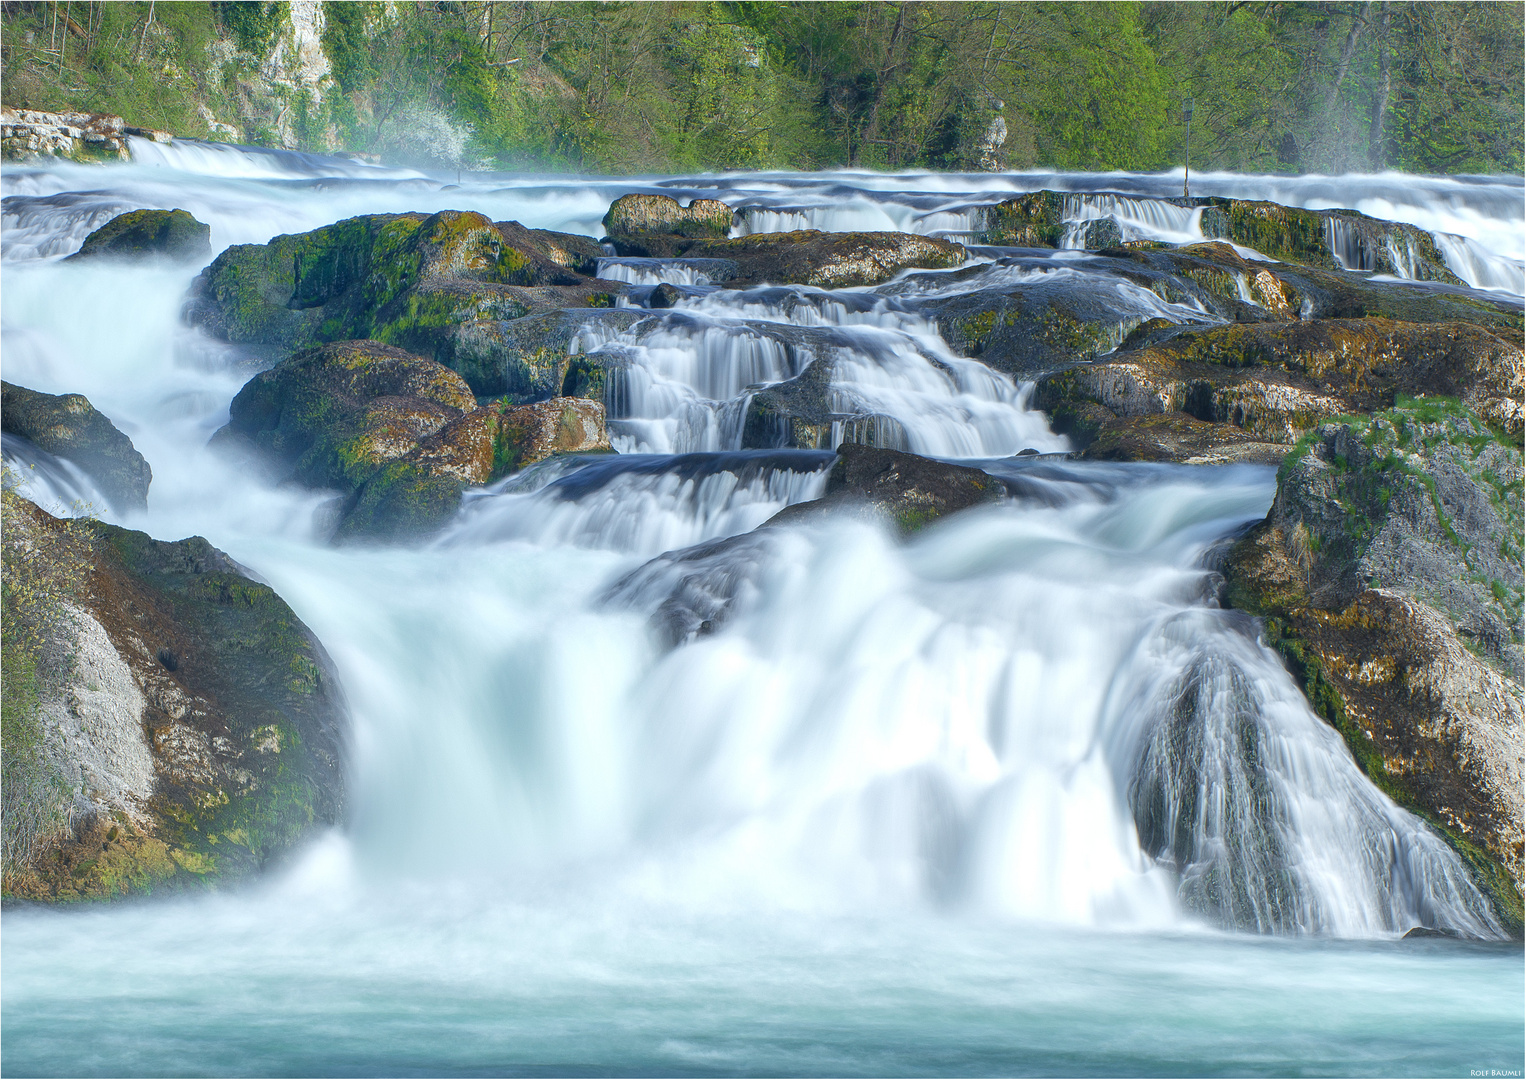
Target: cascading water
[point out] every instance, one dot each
(639, 786)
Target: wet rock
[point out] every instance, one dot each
(1102, 233)
(1286, 291)
(580, 254)
(432, 284)
(144, 776)
(1327, 239)
(526, 434)
(694, 591)
(353, 416)
(1276, 381)
(174, 234)
(532, 358)
(828, 260)
(1389, 572)
(1172, 436)
(804, 413)
(807, 257)
(1035, 219)
(664, 296)
(910, 491)
(68, 426)
(646, 225)
(399, 436)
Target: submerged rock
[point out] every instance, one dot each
(1389, 572)
(908, 490)
(68, 426)
(176, 727)
(399, 436)
(139, 233)
(695, 590)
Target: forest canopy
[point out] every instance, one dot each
(627, 87)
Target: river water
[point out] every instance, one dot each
(1013, 797)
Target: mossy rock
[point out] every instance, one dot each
(137, 234)
(241, 717)
(398, 435)
(68, 426)
(633, 218)
(1389, 572)
(422, 283)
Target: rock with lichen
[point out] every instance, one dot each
(171, 725)
(1389, 573)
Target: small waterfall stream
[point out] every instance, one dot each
(1025, 745)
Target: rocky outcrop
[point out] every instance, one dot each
(27, 133)
(432, 284)
(68, 426)
(399, 436)
(1389, 572)
(1275, 381)
(174, 234)
(171, 724)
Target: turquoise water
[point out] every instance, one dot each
(293, 985)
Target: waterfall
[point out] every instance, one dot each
(642, 778)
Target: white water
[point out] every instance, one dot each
(901, 775)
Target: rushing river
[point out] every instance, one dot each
(913, 808)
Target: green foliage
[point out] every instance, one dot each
(253, 24)
(627, 87)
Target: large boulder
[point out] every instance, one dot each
(68, 426)
(1274, 382)
(1389, 573)
(432, 284)
(399, 436)
(174, 234)
(633, 221)
(170, 723)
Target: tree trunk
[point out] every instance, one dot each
(1375, 151)
(1330, 137)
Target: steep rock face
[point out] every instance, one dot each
(400, 436)
(175, 725)
(1275, 381)
(174, 234)
(1389, 571)
(435, 284)
(68, 426)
